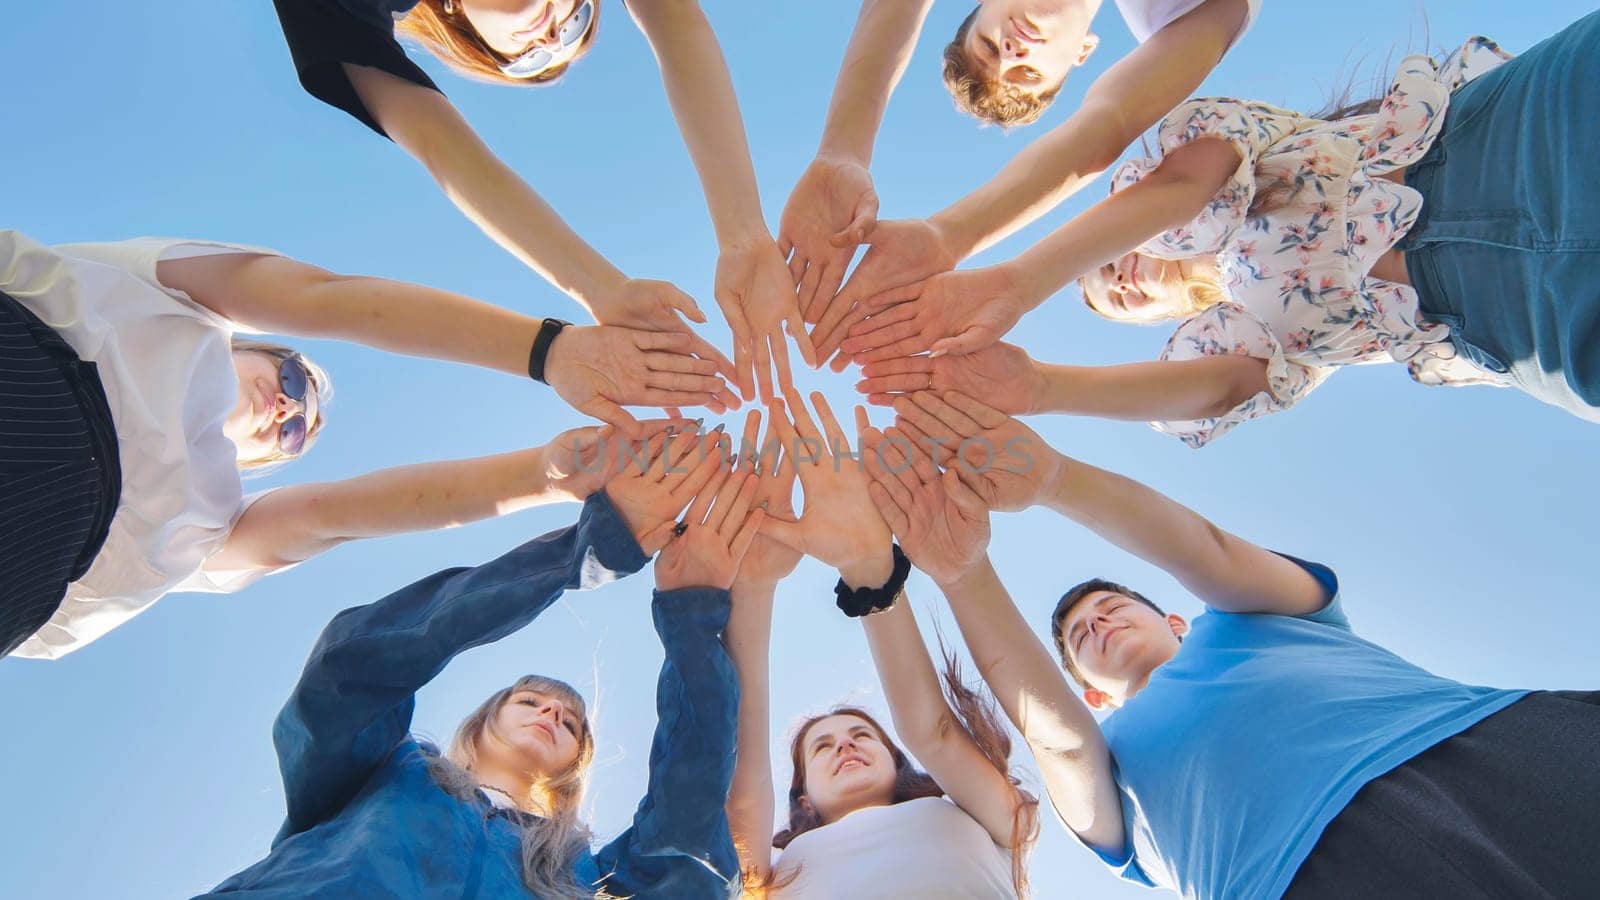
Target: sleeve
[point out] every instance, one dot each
(208, 580)
(1251, 128)
(323, 35)
(1413, 112)
(354, 701)
(139, 257)
(679, 844)
(1229, 329)
(1332, 613)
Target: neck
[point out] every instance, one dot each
(517, 786)
(829, 819)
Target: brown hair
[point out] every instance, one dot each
(1072, 598)
(552, 840)
(317, 382)
(989, 99)
(450, 37)
(975, 713)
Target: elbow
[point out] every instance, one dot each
(923, 735)
(1243, 378)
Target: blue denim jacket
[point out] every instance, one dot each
(365, 819)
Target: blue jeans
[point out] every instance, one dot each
(1507, 249)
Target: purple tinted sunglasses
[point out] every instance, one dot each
(294, 382)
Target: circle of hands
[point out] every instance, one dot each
(928, 340)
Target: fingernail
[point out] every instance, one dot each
(671, 430)
(719, 428)
(762, 505)
(733, 460)
(700, 421)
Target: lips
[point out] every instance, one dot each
(549, 732)
(861, 762)
(1105, 636)
(537, 25)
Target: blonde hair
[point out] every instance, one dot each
(449, 36)
(989, 99)
(553, 840)
(318, 382)
(1200, 291)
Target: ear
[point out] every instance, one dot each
(1096, 699)
(1090, 41)
(1178, 624)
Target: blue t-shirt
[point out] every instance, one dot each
(1243, 747)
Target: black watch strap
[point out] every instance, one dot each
(548, 329)
(866, 601)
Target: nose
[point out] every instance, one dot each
(285, 407)
(1014, 49)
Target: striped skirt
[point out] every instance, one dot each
(60, 478)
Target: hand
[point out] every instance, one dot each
(579, 461)
(714, 538)
(831, 212)
(902, 252)
(769, 561)
(757, 296)
(650, 305)
(951, 313)
(597, 369)
(1002, 374)
(658, 479)
(840, 525)
(942, 526)
(1002, 460)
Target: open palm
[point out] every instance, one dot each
(1002, 374)
(954, 312)
(839, 524)
(901, 252)
(942, 526)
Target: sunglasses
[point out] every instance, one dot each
(294, 382)
(537, 59)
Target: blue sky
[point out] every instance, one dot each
(1459, 520)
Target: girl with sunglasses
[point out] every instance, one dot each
(348, 54)
(863, 820)
(373, 810)
(129, 407)
(1448, 226)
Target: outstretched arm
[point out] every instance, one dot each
(834, 206)
(1127, 99)
(754, 288)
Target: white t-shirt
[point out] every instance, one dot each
(1146, 17)
(927, 848)
(166, 365)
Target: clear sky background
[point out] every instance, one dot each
(1460, 520)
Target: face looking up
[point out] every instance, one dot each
(1029, 44)
(847, 766)
(514, 27)
(534, 732)
(1115, 642)
(1138, 288)
(265, 404)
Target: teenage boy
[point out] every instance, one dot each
(1007, 63)
(1264, 749)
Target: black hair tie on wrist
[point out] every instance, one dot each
(548, 329)
(866, 601)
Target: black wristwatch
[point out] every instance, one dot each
(548, 329)
(867, 601)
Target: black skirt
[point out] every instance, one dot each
(60, 476)
(1509, 808)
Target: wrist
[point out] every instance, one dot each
(552, 349)
(959, 238)
(1036, 390)
(868, 571)
(1025, 281)
(1057, 491)
(842, 149)
(968, 579)
(743, 234)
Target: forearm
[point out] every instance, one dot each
(922, 717)
(485, 189)
(880, 48)
(750, 799)
(295, 523)
(1161, 390)
(700, 91)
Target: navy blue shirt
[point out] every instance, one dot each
(323, 35)
(365, 818)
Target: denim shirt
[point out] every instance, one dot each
(365, 819)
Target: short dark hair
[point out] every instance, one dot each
(988, 99)
(1072, 598)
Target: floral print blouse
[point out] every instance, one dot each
(1300, 292)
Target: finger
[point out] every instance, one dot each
(893, 384)
(653, 540)
(862, 225)
(841, 361)
(651, 396)
(688, 443)
(965, 498)
(673, 412)
(785, 242)
(747, 534)
(763, 367)
(939, 448)
(905, 312)
(741, 349)
(683, 381)
(748, 449)
(612, 414)
(700, 507)
(797, 263)
(686, 484)
(958, 421)
(904, 365)
(894, 515)
(970, 340)
(894, 295)
(808, 281)
(730, 512)
(801, 416)
(909, 409)
(796, 327)
(885, 335)
(679, 362)
(838, 442)
(911, 346)
(728, 400)
(900, 455)
(650, 428)
(677, 341)
(706, 350)
(780, 361)
(789, 534)
(842, 314)
(985, 415)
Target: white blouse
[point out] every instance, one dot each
(166, 365)
(1146, 17)
(926, 848)
(1298, 277)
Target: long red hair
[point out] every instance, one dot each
(449, 36)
